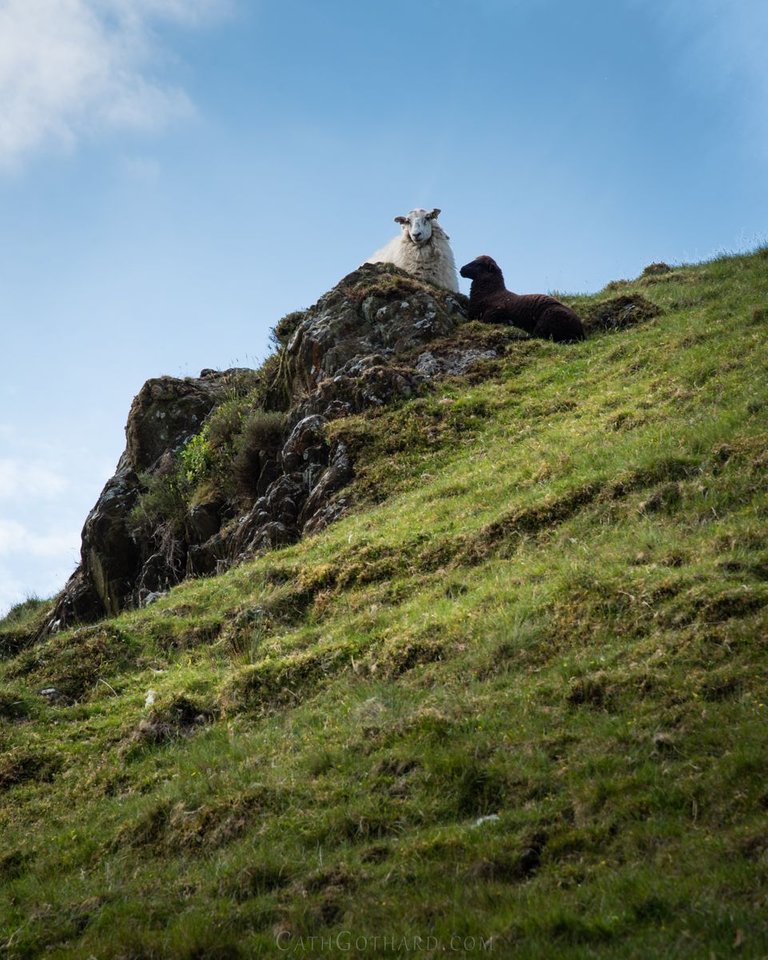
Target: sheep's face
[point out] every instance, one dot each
(418, 224)
(480, 267)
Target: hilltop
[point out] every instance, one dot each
(510, 698)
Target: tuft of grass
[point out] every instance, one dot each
(21, 624)
(258, 441)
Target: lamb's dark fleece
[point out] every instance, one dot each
(536, 313)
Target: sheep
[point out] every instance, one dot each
(421, 249)
(536, 313)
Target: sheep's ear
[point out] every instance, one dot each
(434, 214)
(401, 219)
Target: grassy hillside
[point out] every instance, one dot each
(514, 705)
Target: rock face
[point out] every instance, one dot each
(165, 413)
(375, 312)
(377, 337)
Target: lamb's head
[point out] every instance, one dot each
(481, 268)
(418, 225)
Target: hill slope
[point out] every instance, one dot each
(515, 703)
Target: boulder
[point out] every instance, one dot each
(305, 445)
(108, 552)
(167, 411)
(376, 310)
(320, 507)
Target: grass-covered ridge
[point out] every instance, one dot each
(549, 610)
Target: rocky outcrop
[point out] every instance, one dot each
(377, 337)
(375, 312)
(166, 412)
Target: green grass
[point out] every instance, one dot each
(548, 610)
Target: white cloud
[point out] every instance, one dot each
(70, 68)
(16, 539)
(43, 505)
(11, 591)
(184, 11)
(28, 481)
(23, 576)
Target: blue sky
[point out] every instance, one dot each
(176, 175)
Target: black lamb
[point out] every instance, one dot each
(536, 313)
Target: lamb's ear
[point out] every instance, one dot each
(434, 215)
(401, 219)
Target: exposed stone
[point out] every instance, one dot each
(377, 309)
(315, 514)
(452, 363)
(364, 382)
(202, 559)
(153, 598)
(167, 411)
(269, 473)
(306, 444)
(331, 511)
(158, 574)
(205, 520)
(108, 552)
(78, 602)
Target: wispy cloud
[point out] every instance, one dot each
(11, 590)
(16, 539)
(47, 488)
(70, 68)
(29, 481)
(32, 565)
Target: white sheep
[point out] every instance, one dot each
(421, 249)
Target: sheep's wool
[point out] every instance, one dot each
(431, 261)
